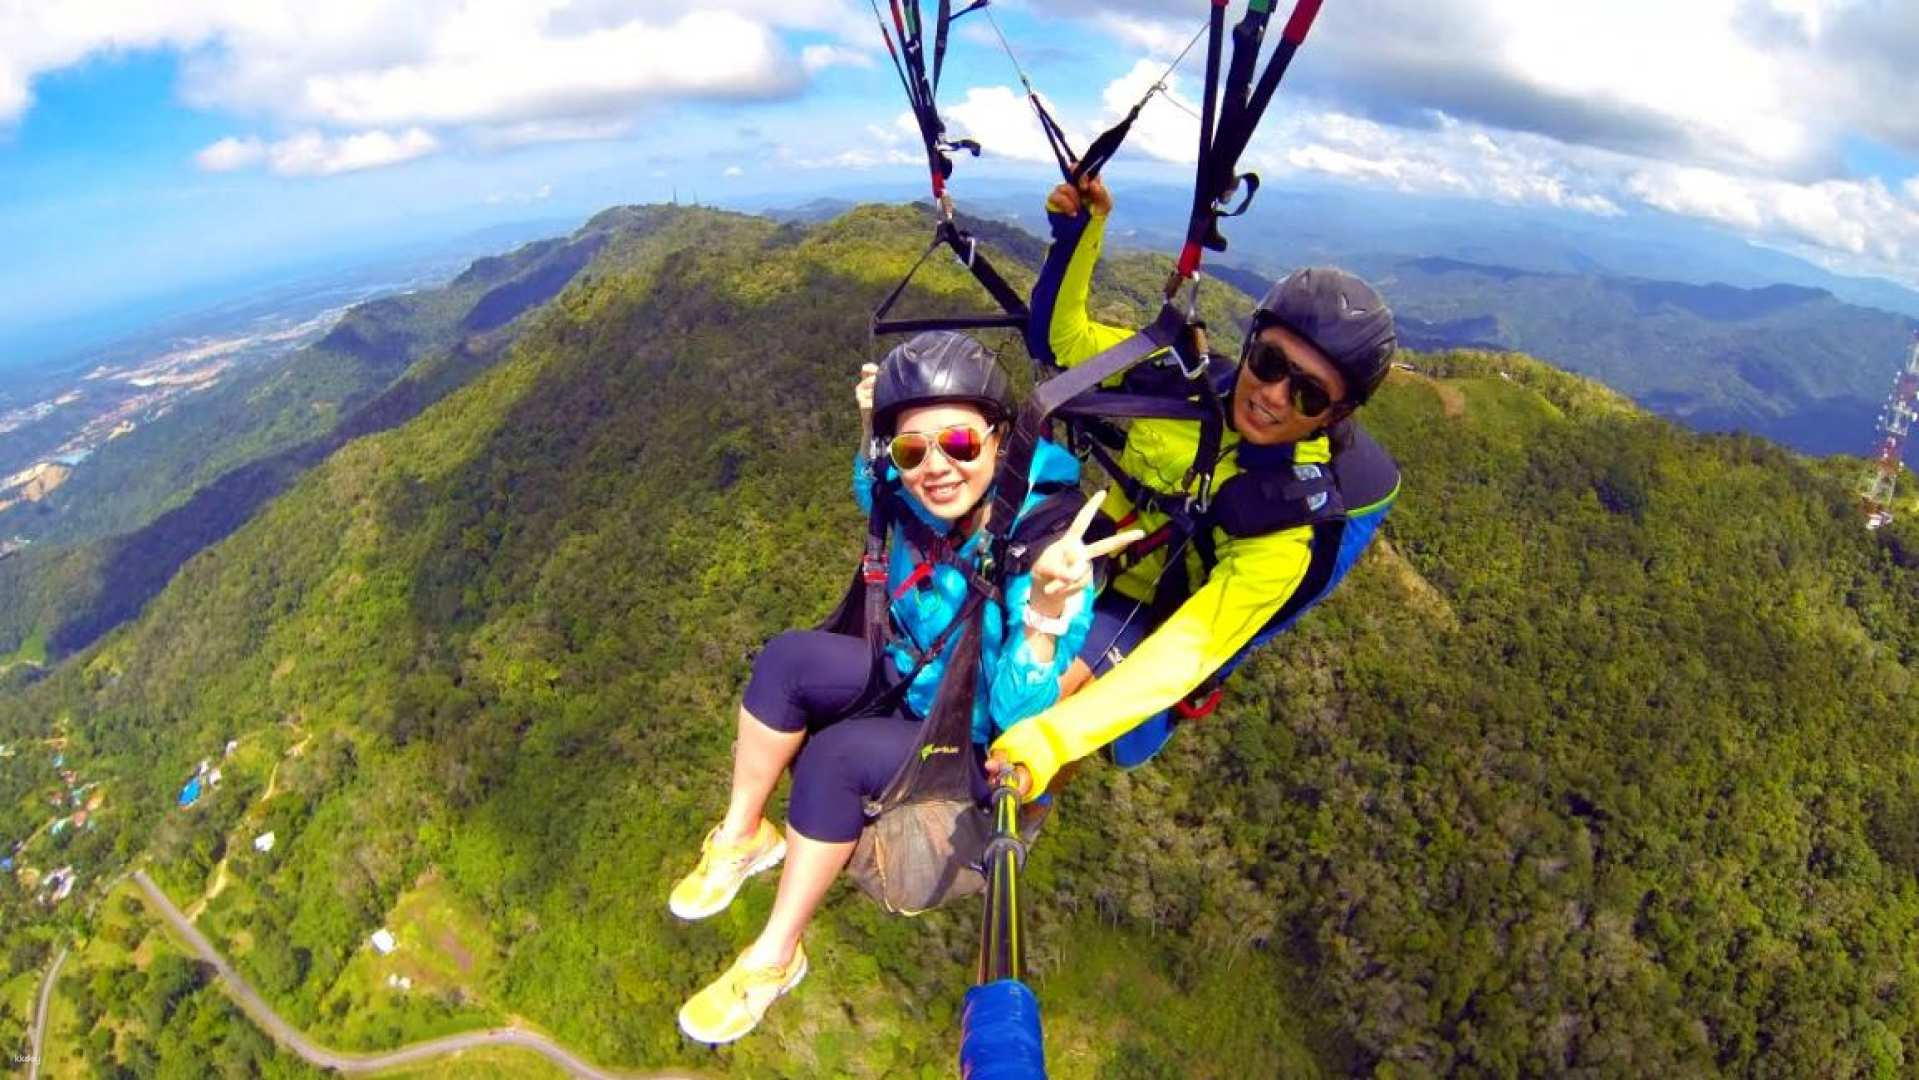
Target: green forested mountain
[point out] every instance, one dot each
(116, 532)
(1794, 364)
(1601, 761)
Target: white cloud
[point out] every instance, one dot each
(856, 158)
(817, 58)
(1864, 225)
(1157, 38)
(1003, 122)
(14, 93)
(496, 137)
(1697, 192)
(1755, 85)
(385, 63)
(231, 153)
(1863, 219)
(734, 170)
(1735, 111)
(859, 146)
(311, 153)
(1168, 126)
(1447, 157)
(1732, 98)
(704, 54)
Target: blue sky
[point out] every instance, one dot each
(145, 150)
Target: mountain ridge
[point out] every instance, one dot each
(398, 353)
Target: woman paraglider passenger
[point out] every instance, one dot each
(939, 405)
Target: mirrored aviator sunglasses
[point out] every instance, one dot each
(960, 443)
(1269, 364)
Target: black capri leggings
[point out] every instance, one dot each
(801, 681)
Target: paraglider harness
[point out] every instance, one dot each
(926, 838)
(1262, 498)
(1001, 1021)
(890, 863)
(1167, 371)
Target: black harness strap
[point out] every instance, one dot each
(1238, 116)
(1102, 149)
(1091, 408)
(867, 597)
(909, 61)
(890, 698)
(1055, 136)
(966, 249)
(941, 22)
(1009, 494)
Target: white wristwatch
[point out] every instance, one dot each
(1055, 626)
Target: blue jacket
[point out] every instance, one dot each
(1013, 684)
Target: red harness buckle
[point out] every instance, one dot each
(1190, 709)
(872, 571)
(920, 573)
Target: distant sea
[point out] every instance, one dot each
(26, 376)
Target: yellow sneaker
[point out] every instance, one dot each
(733, 1004)
(723, 869)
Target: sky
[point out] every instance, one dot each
(147, 147)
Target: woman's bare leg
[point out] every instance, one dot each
(811, 866)
(760, 756)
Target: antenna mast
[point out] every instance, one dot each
(1902, 408)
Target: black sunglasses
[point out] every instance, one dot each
(1269, 364)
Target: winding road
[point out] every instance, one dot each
(40, 1017)
(286, 1035)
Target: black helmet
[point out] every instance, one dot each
(1345, 317)
(936, 367)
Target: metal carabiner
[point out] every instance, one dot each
(1192, 371)
(1202, 500)
(1191, 343)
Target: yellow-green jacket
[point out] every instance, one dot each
(1255, 587)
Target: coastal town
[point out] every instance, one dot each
(58, 433)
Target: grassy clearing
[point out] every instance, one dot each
(446, 954)
(443, 939)
(1514, 402)
(31, 651)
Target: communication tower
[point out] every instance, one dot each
(1902, 409)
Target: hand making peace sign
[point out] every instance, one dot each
(1066, 566)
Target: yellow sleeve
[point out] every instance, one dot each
(1074, 336)
(1254, 579)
